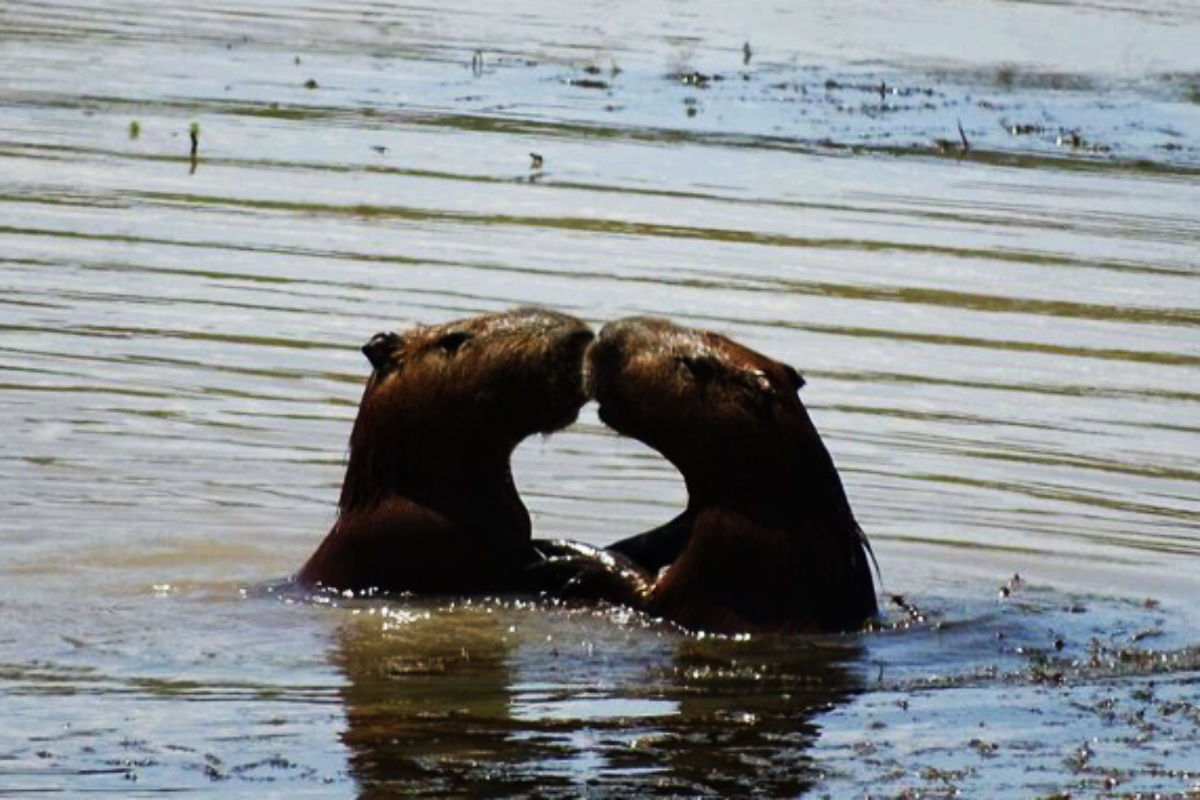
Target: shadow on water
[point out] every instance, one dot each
(501, 700)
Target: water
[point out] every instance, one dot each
(1001, 348)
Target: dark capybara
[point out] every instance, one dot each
(428, 503)
(768, 541)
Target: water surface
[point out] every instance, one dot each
(972, 226)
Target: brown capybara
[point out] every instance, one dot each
(428, 504)
(768, 541)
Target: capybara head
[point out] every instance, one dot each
(450, 402)
(721, 412)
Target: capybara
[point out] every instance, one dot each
(767, 541)
(428, 503)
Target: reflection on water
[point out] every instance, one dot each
(999, 336)
(506, 702)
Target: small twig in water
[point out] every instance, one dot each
(194, 134)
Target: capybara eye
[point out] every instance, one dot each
(795, 377)
(453, 340)
(703, 368)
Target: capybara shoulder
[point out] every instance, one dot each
(768, 540)
(428, 502)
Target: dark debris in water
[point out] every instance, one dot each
(589, 83)
(1007, 719)
(1010, 120)
(695, 78)
(1024, 128)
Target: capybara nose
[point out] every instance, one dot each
(604, 357)
(380, 347)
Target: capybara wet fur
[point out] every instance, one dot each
(768, 541)
(428, 503)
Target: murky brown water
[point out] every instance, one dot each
(1001, 345)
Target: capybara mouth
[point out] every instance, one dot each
(603, 368)
(603, 360)
(574, 347)
(609, 355)
(588, 368)
(598, 364)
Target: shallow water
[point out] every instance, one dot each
(1000, 343)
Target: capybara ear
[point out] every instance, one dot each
(796, 378)
(380, 348)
